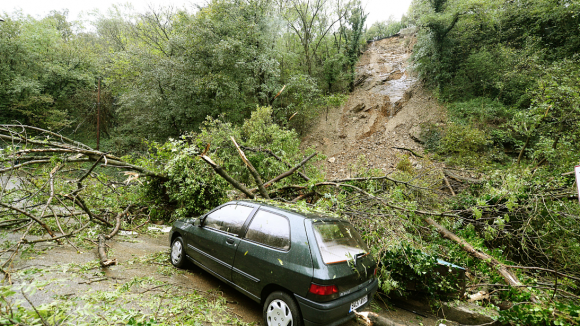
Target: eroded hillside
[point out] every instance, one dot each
(385, 111)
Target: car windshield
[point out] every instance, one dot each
(338, 241)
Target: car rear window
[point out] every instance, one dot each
(338, 241)
(270, 229)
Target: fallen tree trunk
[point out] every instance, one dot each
(509, 277)
(222, 173)
(105, 261)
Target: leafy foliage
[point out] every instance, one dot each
(164, 71)
(193, 187)
(385, 28)
(406, 268)
(43, 70)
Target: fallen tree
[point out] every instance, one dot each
(49, 184)
(61, 192)
(298, 192)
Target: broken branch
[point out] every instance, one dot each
(279, 159)
(118, 224)
(221, 172)
(105, 261)
(289, 172)
(253, 171)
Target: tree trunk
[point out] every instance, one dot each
(105, 261)
(253, 171)
(222, 173)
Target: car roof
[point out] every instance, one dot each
(315, 217)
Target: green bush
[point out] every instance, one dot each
(464, 144)
(483, 112)
(406, 268)
(192, 187)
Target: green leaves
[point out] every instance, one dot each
(42, 68)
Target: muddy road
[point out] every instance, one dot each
(142, 287)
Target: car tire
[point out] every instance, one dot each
(177, 255)
(280, 309)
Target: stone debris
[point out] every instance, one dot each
(386, 110)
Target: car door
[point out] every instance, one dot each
(267, 254)
(213, 244)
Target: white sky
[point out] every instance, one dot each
(378, 9)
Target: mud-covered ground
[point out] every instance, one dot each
(143, 287)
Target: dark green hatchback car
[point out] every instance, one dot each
(304, 269)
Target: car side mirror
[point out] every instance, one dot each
(199, 221)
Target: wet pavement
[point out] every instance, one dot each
(142, 282)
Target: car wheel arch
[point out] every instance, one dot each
(268, 289)
(174, 236)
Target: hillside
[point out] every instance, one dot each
(386, 110)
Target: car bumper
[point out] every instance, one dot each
(334, 312)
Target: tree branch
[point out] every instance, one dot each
(253, 171)
(221, 172)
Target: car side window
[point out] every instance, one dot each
(229, 218)
(270, 229)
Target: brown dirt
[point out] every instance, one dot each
(386, 110)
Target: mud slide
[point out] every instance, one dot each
(386, 110)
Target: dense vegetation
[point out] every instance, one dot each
(166, 70)
(177, 84)
(510, 76)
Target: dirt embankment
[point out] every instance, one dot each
(386, 110)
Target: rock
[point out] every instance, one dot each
(359, 107)
(331, 160)
(468, 313)
(415, 133)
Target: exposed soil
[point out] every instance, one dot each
(386, 110)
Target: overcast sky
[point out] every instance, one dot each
(378, 9)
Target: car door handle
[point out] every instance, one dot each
(230, 241)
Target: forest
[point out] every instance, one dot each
(199, 107)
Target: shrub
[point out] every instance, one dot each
(465, 144)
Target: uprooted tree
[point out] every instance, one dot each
(54, 188)
(52, 193)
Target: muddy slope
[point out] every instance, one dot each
(385, 110)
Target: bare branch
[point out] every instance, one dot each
(112, 234)
(221, 172)
(253, 171)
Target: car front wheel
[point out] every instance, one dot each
(280, 309)
(177, 253)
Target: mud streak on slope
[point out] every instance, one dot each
(386, 110)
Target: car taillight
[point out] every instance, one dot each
(323, 289)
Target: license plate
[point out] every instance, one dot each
(356, 304)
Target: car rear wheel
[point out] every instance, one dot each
(280, 309)
(177, 253)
